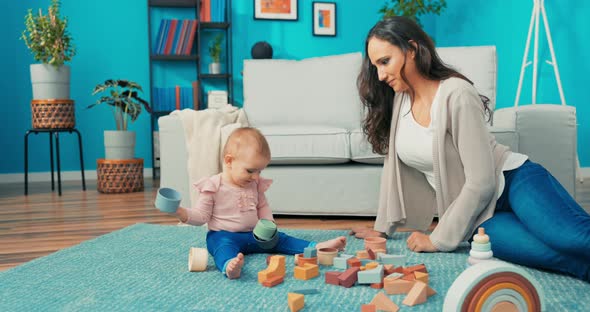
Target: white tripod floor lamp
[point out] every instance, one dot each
(538, 9)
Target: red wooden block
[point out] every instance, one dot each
(418, 267)
(332, 277)
(368, 308)
(274, 281)
(349, 277)
(371, 253)
(377, 285)
(353, 262)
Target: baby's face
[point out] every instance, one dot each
(247, 166)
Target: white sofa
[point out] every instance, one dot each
(311, 114)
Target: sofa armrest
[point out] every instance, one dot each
(173, 157)
(547, 134)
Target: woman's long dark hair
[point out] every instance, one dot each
(377, 96)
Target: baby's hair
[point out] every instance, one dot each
(246, 137)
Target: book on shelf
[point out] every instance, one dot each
(167, 99)
(175, 37)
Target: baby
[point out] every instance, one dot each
(232, 202)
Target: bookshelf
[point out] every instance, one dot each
(196, 60)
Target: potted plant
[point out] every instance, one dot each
(47, 38)
(412, 8)
(215, 54)
(123, 97)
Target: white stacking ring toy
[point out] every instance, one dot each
(494, 286)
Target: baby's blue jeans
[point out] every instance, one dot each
(224, 246)
(538, 224)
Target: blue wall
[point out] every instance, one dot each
(112, 43)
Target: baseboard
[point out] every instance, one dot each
(73, 175)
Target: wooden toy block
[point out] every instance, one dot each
(377, 285)
(362, 254)
(310, 252)
(306, 291)
(383, 303)
(353, 262)
(349, 277)
(308, 271)
(368, 308)
(371, 276)
(418, 267)
(430, 291)
(421, 276)
(388, 268)
(197, 259)
(416, 295)
(301, 260)
(340, 261)
(397, 286)
(273, 281)
(371, 265)
(371, 254)
(399, 269)
(276, 267)
(397, 260)
(394, 276)
(295, 301)
(332, 277)
(363, 268)
(409, 277)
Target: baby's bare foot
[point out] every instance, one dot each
(234, 267)
(338, 243)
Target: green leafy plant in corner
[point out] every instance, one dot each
(47, 37)
(412, 8)
(124, 99)
(215, 48)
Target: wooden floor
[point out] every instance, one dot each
(43, 222)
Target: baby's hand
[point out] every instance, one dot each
(181, 214)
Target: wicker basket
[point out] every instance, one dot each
(119, 176)
(53, 114)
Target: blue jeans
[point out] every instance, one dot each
(224, 246)
(538, 224)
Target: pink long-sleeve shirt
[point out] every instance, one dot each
(230, 208)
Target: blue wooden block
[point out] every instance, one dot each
(340, 262)
(310, 252)
(397, 260)
(371, 276)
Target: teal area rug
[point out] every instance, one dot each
(144, 268)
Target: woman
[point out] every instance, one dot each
(430, 122)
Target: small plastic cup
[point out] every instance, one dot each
(265, 229)
(167, 200)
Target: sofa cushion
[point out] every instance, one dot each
(314, 91)
(361, 150)
(478, 64)
(307, 144)
(506, 136)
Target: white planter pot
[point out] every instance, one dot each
(215, 68)
(119, 144)
(50, 82)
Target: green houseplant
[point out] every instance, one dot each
(123, 97)
(412, 8)
(47, 38)
(215, 54)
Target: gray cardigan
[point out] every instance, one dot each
(467, 162)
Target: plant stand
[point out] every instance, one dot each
(120, 175)
(53, 114)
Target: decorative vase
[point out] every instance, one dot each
(50, 82)
(215, 68)
(119, 144)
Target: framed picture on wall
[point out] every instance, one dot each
(275, 10)
(324, 18)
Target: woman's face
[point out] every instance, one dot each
(388, 59)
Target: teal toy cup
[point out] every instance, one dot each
(167, 200)
(266, 234)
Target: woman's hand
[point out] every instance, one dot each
(420, 242)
